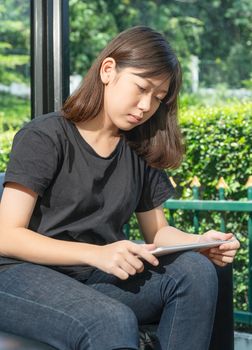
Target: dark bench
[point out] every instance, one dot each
(222, 336)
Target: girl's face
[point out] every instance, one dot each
(129, 99)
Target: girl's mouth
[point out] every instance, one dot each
(134, 119)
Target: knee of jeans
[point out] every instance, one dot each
(114, 325)
(200, 273)
(123, 318)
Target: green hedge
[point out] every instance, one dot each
(5, 146)
(14, 112)
(218, 143)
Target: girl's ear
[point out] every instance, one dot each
(108, 69)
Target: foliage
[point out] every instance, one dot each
(86, 27)
(14, 44)
(218, 32)
(5, 146)
(14, 112)
(218, 141)
(226, 41)
(248, 82)
(88, 33)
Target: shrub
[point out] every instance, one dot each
(14, 113)
(5, 146)
(218, 143)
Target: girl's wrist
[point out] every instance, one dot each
(88, 254)
(196, 238)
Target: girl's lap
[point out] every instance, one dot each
(39, 286)
(146, 293)
(40, 303)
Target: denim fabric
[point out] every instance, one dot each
(103, 312)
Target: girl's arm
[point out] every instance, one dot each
(17, 241)
(155, 229)
(121, 258)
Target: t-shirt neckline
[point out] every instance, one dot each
(90, 149)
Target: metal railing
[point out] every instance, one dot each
(221, 206)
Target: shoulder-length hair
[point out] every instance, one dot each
(158, 140)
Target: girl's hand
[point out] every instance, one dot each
(225, 253)
(124, 258)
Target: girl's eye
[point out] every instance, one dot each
(159, 99)
(142, 89)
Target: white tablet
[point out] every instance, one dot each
(183, 247)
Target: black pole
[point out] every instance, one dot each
(49, 55)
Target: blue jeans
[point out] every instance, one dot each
(102, 312)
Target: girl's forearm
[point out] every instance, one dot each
(24, 244)
(169, 235)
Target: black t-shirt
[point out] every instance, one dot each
(82, 196)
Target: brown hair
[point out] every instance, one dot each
(158, 140)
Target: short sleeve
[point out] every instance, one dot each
(33, 161)
(157, 189)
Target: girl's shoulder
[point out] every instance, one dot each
(49, 122)
(53, 126)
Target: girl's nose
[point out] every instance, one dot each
(145, 103)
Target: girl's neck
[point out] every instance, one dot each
(99, 128)
(102, 138)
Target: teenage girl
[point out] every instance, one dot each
(68, 276)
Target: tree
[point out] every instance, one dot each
(14, 41)
(218, 32)
(91, 27)
(89, 34)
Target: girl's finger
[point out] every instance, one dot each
(134, 261)
(224, 253)
(149, 246)
(219, 263)
(221, 258)
(120, 273)
(230, 246)
(125, 266)
(142, 252)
